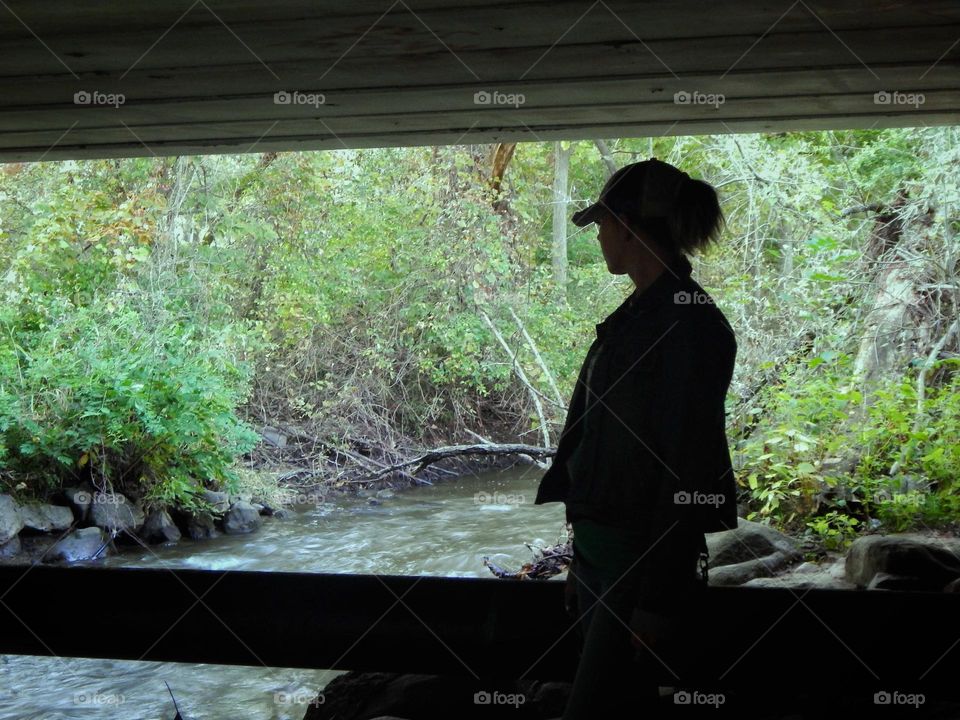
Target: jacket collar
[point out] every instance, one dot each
(673, 277)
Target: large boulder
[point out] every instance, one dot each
(241, 518)
(751, 551)
(113, 511)
(808, 576)
(11, 519)
(46, 518)
(11, 522)
(201, 526)
(929, 563)
(85, 544)
(159, 528)
(10, 547)
(742, 572)
(887, 581)
(750, 541)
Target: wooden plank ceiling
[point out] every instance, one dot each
(142, 77)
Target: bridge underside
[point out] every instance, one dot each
(140, 78)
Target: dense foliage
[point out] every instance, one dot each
(157, 310)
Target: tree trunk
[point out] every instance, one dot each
(896, 325)
(606, 156)
(500, 158)
(561, 198)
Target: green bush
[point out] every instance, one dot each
(106, 392)
(909, 469)
(836, 529)
(788, 466)
(905, 474)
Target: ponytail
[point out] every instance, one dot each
(695, 219)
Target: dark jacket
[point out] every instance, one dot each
(645, 445)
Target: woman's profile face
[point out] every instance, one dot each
(610, 234)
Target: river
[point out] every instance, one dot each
(432, 530)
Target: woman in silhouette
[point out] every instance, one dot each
(642, 464)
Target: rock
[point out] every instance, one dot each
(934, 562)
(749, 541)
(807, 567)
(802, 581)
(386, 494)
(159, 528)
(219, 501)
(80, 499)
(751, 551)
(10, 547)
(808, 575)
(373, 501)
(839, 569)
(888, 581)
(281, 514)
(81, 545)
(11, 521)
(741, 572)
(201, 527)
(113, 511)
(267, 508)
(241, 518)
(259, 508)
(45, 518)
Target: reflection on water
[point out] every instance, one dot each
(440, 530)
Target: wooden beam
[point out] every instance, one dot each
(461, 626)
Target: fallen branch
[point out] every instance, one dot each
(547, 562)
(458, 450)
(486, 441)
(368, 461)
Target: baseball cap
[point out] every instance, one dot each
(644, 189)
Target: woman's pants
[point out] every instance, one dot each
(610, 566)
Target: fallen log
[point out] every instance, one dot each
(440, 453)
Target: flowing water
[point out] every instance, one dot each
(441, 530)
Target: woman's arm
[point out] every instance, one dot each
(687, 417)
(687, 434)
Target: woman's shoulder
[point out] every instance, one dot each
(696, 306)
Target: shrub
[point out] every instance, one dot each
(135, 402)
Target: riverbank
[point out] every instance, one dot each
(441, 530)
(86, 523)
